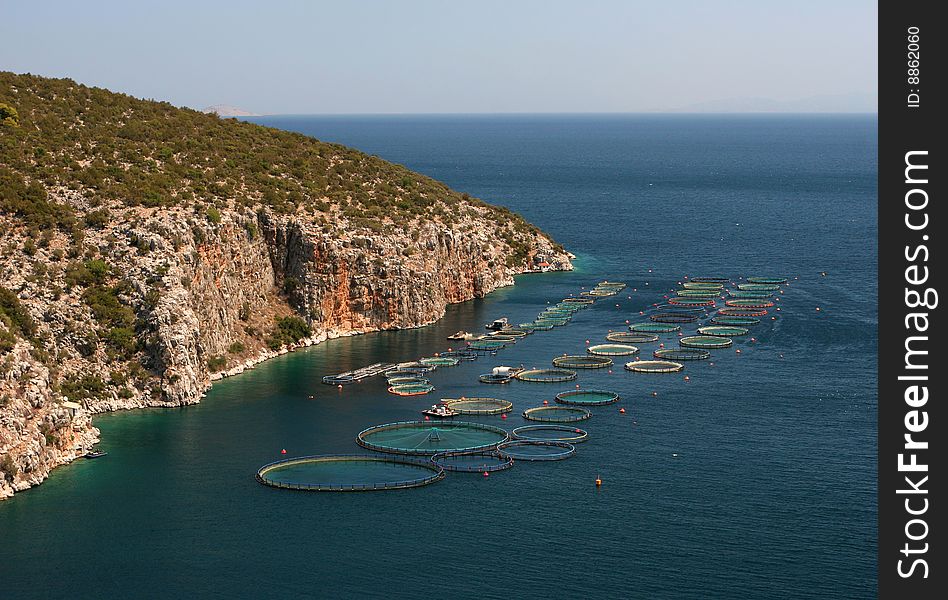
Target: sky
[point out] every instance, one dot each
(471, 56)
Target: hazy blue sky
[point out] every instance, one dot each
(451, 56)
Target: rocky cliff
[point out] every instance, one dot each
(111, 299)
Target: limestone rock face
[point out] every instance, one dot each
(206, 295)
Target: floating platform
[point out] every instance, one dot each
(358, 374)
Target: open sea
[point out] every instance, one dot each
(755, 479)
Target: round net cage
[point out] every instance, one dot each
(551, 322)
(762, 287)
(654, 328)
(515, 332)
(654, 366)
(478, 406)
(748, 303)
(440, 361)
(741, 312)
(493, 378)
(504, 338)
(749, 294)
(486, 345)
(690, 302)
(631, 338)
(528, 327)
(546, 375)
(723, 330)
(556, 414)
(612, 350)
(584, 302)
(674, 317)
(707, 342)
(680, 354)
(536, 450)
(572, 307)
(460, 354)
(538, 326)
(406, 379)
(348, 473)
(587, 397)
(550, 433)
(483, 461)
(702, 285)
(686, 293)
(582, 362)
(767, 280)
(709, 280)
(416, 367)
(401, 373)
(411, 389)
(726, 320)
(423, 439)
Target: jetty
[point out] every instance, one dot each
(358, 374)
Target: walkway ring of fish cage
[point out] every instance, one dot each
(767, 280)
(264, 473)
(546, 375)
(723, 331)
(584, 301)
(460, 354)
(406, 380)
(493, 378)
(486, 345)
(673, 317)
(411, 389)
(702, 285)
(571, 435)
(680, 354)
(728, 320)
(721, 280)
(631, 338)
(612, 350)
(417, 433)
(750, 294)
(706, 342)
(540, 450)
(584, 361)
(690, 302)
(587, 397)
(687, 293)
(770, 287)
(654, 328)
(742, 312)
(654, 366)
(439, 361)
(478, 406)
(417, 367)
(556, 414)
(493, 461)
(748, 303)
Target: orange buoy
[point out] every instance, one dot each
(339, 386)
(753, 339)
(687, 378)
(610, 371)
(773, 318)
(546, 402)
(598, 482)
(427, 418)
(283, 451)
(621, 411)
(486, 474)
(503, 416)
(738, 350)
(662, 345)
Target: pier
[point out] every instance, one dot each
(358, 374)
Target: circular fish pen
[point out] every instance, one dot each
(769, 287)
(496, 378)
(550, 322)
(721, 280)
(690, 302)
(748, 303)
(516, 333)
(478, 406)
(485, 345)
(411, 389)
(612, 350)
(706, 342)
(726, 320)
(749, 294)
(546, 375)
(472, 462)
(723, 331)
(556, 414)
(416, 367)
(654, 366)
(348, 473)
(460, 354)
(536, 450)
(419, 438)
(702, 285)
(401, 373)
(674, 317)
(406, 379)
(767, 280)
(680, 354)
(585, 302)
(550, 433)
(741, 312)
(506, 339)
(440, 361)
(686, 293)
(587, 397)
(537, 326)
(654, 328)
(582, 362)
(631, 338)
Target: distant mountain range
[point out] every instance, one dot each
(225, 110)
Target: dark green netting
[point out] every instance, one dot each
(587, 397)
(423, 438)
(348, 473)
(556, 414)
(707, 342)
(654, 366)
(582, 362)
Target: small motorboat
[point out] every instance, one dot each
(439, 411)
(95, 453)
(498, 324)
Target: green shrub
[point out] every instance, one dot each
(288, 330)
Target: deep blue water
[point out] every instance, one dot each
(755, 479)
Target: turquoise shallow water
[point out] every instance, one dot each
(756, 478)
